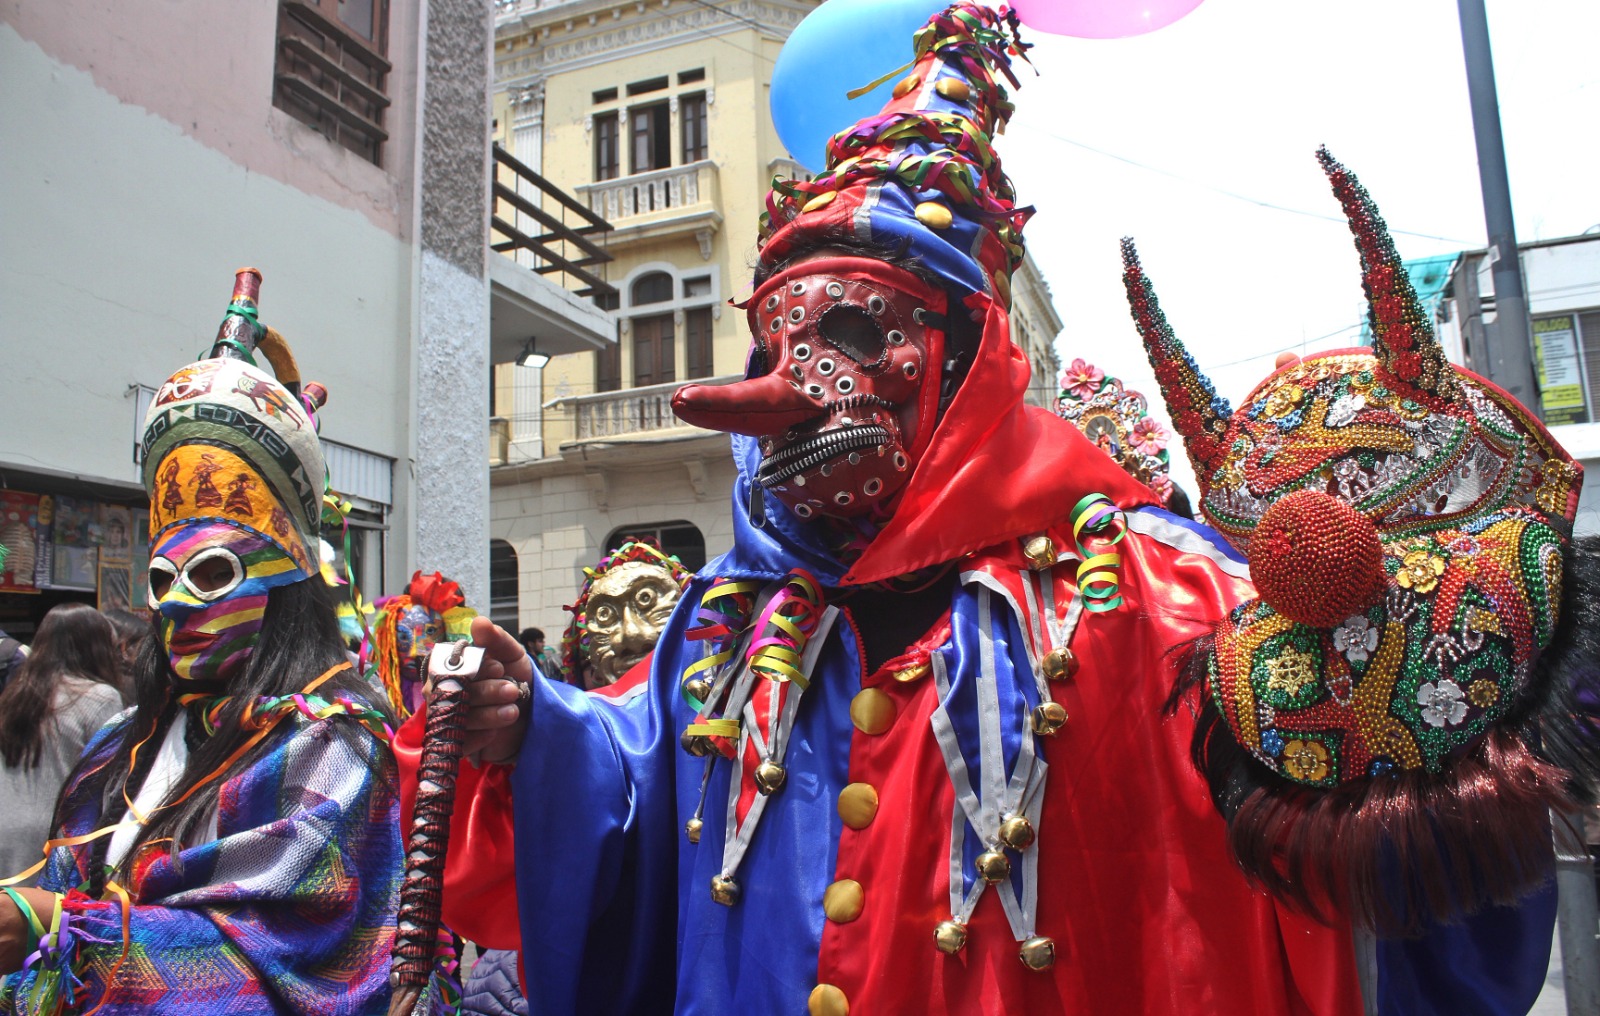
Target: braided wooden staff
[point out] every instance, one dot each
(450, 666)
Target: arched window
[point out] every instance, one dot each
(653, 287)
(677, 538)
(503, 585)
(653, 355)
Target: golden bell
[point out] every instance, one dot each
(1049, 717)
(950, 937)
(724, 890)
(1016, 832)
(993, 866)
(692, 829)
(906, 84)
(934, 215)
(697, 688)
(1059, 664)
(769, 777)
(1039, 953)
(697, 745)
(953, 89)
(1040, 551)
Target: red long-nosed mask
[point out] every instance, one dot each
(843, 384)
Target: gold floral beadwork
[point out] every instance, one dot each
(1554, 486)
(1420, 571)
(1283, 400)
(1483, 621)
(1306, 761)
(1483, 693)
(1291, 672)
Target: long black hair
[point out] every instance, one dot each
(73, 640)
(299, 640)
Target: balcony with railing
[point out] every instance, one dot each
(631, 413)
(657, 203)
(552, 237)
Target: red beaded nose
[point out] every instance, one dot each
(1316, 560)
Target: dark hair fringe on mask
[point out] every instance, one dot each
(1398, 854)
(299, 640)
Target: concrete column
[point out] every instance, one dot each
(451, 330)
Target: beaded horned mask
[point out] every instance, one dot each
(1405, 523)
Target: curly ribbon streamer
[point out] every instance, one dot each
(782, 631)
(714, 728)
(1096, 516)
(962, 167)
(723, 615)
(794, 613)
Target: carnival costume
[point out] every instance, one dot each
(621, 608)
(284, 901)
(1396, 713)
(997, 815)
(404, 631)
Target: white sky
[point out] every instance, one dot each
(1236, 97)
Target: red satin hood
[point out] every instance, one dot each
(995, 470)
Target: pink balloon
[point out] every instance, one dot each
(1101, 19)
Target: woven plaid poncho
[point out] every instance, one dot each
(291, 909)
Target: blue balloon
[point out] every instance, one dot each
(842, 45)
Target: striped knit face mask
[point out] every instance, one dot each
(209, 581)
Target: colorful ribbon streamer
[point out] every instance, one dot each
(785, 627)
(1095, 517)
(723, 615)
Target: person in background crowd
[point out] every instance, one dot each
(12, 655)
(60, 695)
(131, 629)
(404, 630)
(543, 656)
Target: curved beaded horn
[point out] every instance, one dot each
(1199, 414)
(1403, 336)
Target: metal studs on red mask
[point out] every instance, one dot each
(862, 341)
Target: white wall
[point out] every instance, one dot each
(120, 236)
(1562, 277)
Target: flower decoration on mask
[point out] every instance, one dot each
(1117, 420)
(1407, 526)
(621, 610)
(236, 477)
(405, 630)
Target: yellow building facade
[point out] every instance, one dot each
(655, 116)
